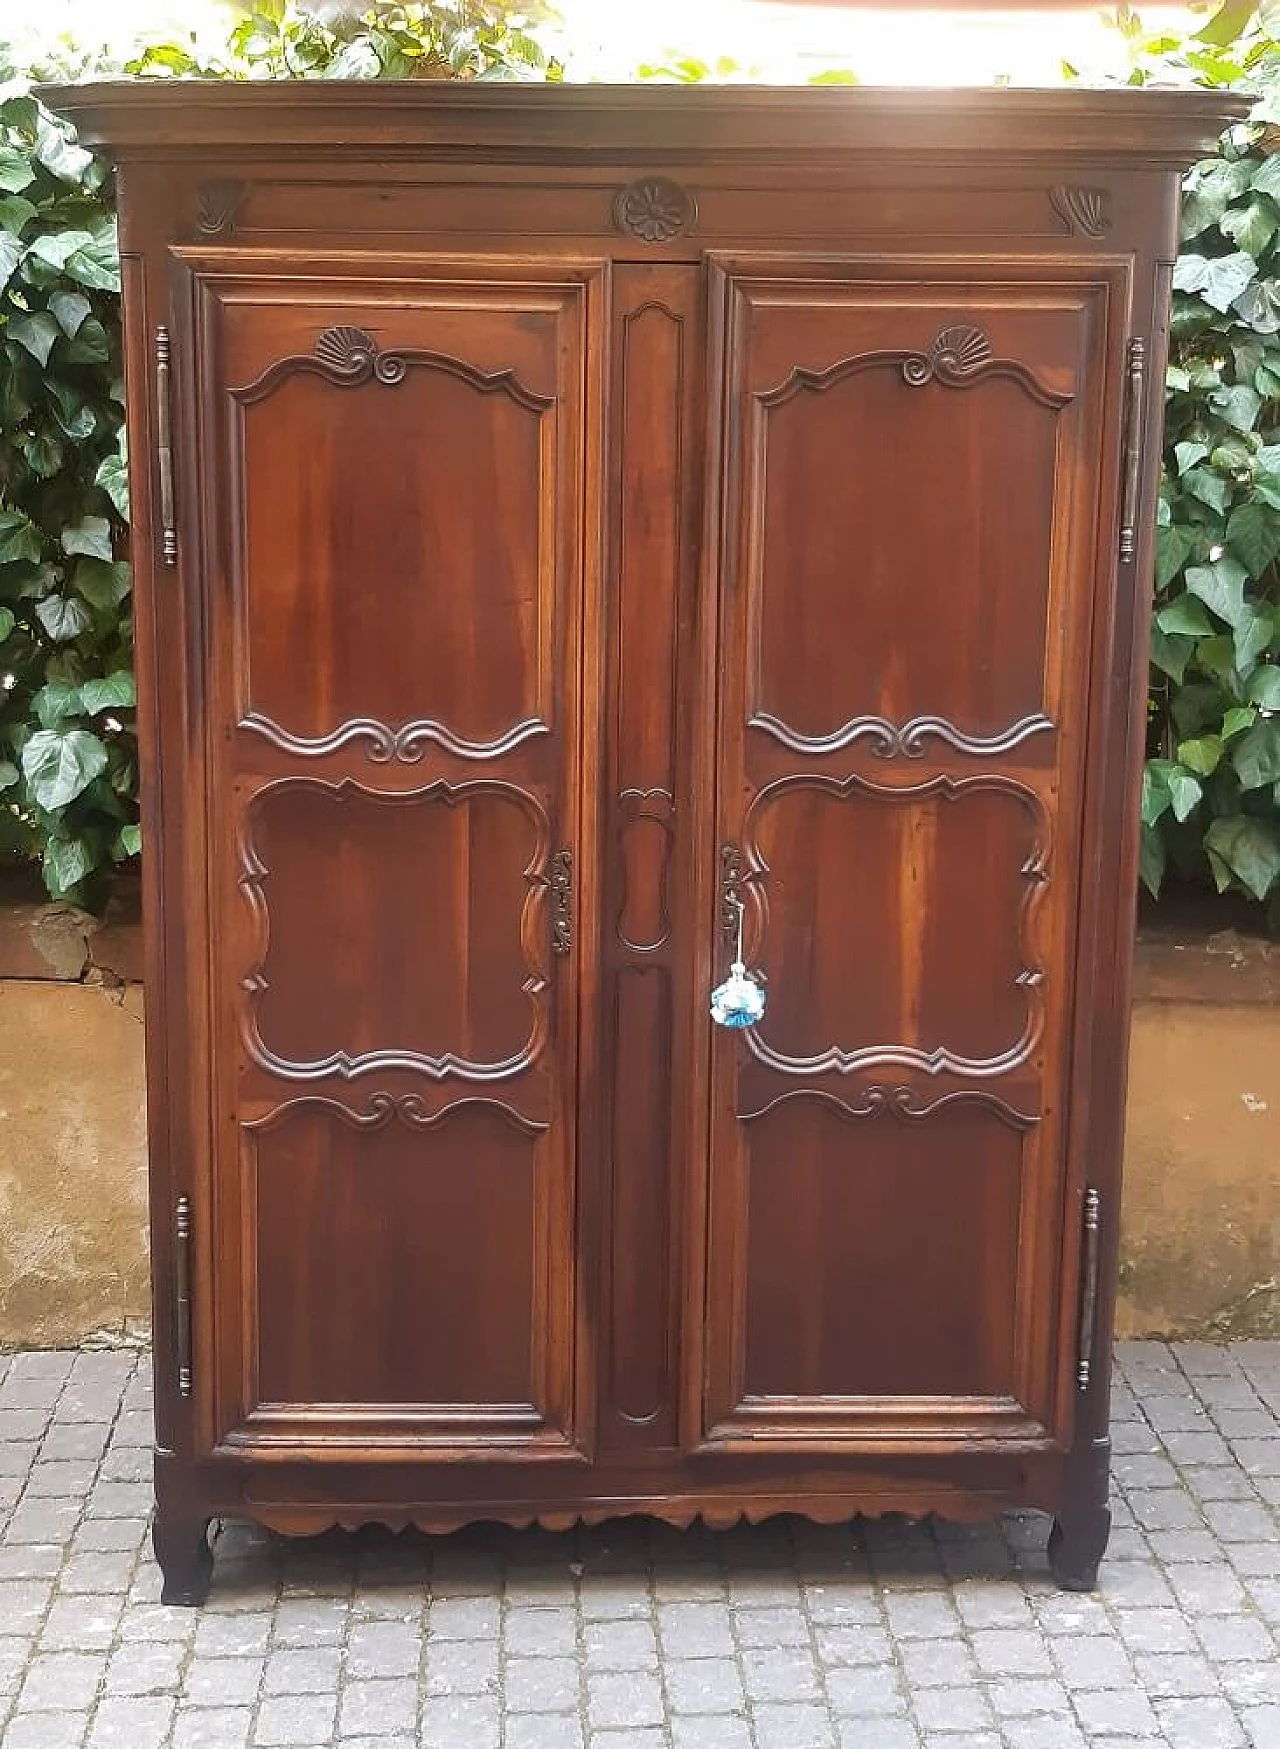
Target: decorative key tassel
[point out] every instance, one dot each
(739, 1001)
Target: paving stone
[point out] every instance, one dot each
(774, 1626)
(384, 1649)
(703, 1685)
(57, 1681)
(694, 1630)
(1093, 1662)
(854, 1643)
(232, 1636)
(621, 1645)
(1126, 1712)
(1013, 1699)
(304, 1720)
(467, 1721)
(865, 1693)
(712, 1731)
(541, 1685)
(937, 1663)
(213, 1728)
(623, 1698)
(1200, 1724)
(46, 1731)
(786, 1673)
(542, 1632)
(461, 1667)
(1262, 1726)
(131, 1724)
(464, 1618)
(552, 1731)
(376, 1707)
(794, 1727)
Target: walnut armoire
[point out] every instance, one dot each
(563, 516)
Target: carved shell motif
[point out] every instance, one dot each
(654, 209)
(956, 353)
(1082, 209)
(346, 350)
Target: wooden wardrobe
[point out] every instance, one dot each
(561, 515)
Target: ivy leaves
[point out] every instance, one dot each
(68, 768)
(1211, 791)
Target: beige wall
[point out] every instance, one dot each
(1201, 1242)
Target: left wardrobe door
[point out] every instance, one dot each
(387, 556)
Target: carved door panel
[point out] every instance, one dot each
(393, 551)
(911, 533)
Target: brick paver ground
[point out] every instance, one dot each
(787, 1636)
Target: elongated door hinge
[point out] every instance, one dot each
(561, 879)
(164, 450)
(1089, 1288)
(182, 1292)
(1137, 394)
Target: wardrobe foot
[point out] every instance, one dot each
(181, 1544)
(1077, 1544)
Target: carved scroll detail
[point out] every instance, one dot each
(383, 1108)
(254, 874)
(347, 357)
(1034, 871)
(655, 209)
(406, 743)
(953, 355)
(875, 1100)
(1082, 210)
(907, 740)
(959, 357)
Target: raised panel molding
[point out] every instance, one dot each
(1034, 871)
(653, 809)
(538, 877)
(899, 1102)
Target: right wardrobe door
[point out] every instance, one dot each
(919, 470)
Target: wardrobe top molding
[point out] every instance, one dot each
(138, 120)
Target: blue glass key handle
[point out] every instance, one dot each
(739, 1001)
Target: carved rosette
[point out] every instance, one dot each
(1082, 210)
(654, 209)
(956, 353)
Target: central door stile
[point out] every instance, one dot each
(648, 1087)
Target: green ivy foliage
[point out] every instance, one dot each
(68, 766)
(1211, 786)
(1211, 797)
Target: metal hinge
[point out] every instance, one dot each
(1089, 1288)
(1137, 387)
(182, 1293)
(164, 450)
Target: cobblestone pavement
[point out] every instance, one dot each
(787, 1636)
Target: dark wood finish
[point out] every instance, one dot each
(559, 511)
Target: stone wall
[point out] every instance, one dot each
(1201, 1244)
